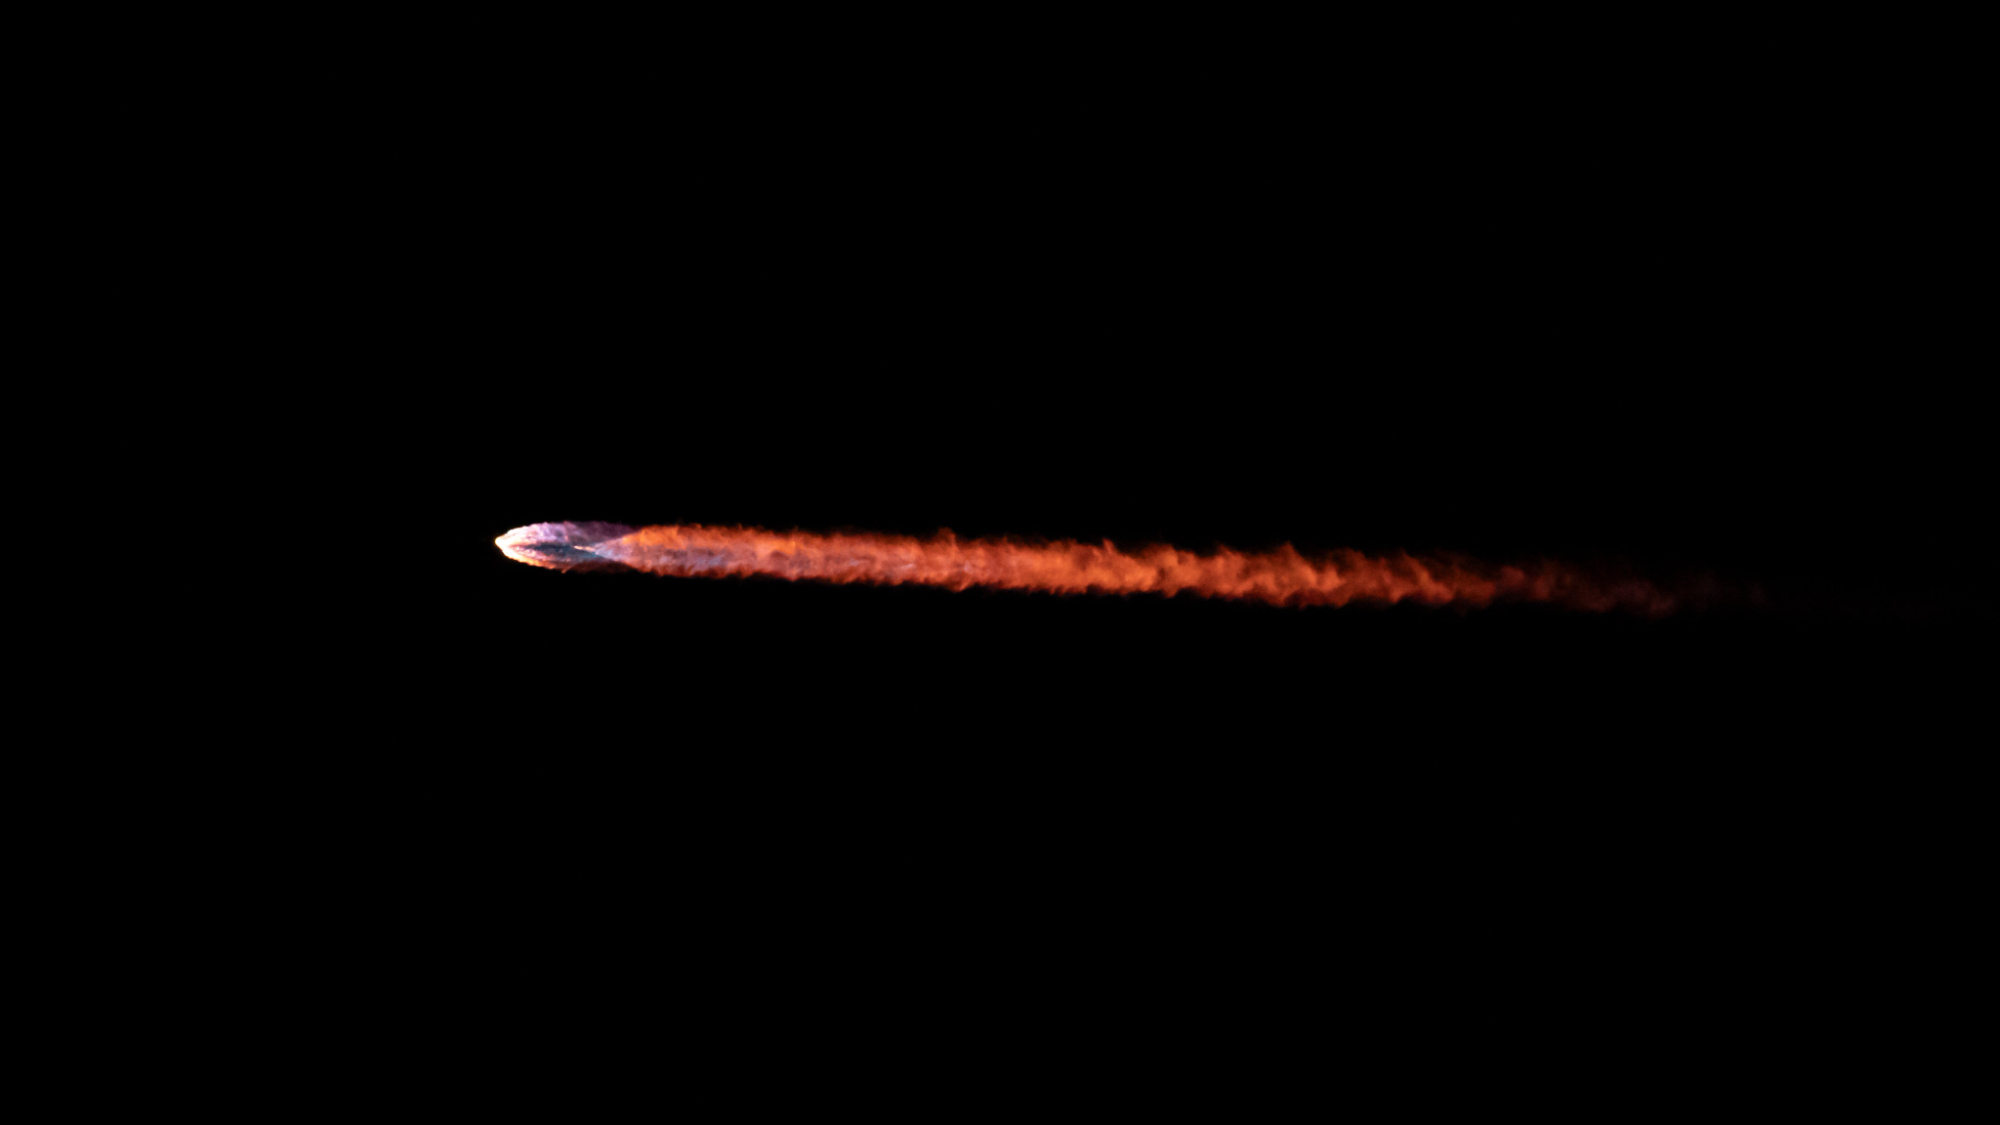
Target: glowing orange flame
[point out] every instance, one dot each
(1280, 577)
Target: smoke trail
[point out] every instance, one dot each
(1280, 577)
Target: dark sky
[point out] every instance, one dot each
(1631, 320)
(1621, 314)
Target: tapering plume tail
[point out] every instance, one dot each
(1280, 577)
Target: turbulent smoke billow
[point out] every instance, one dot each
(1280, 577)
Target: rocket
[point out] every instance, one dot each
(561, 546)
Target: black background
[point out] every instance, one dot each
(1685, 318)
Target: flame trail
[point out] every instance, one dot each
(1280, 577)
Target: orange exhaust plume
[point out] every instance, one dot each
(1280, 577)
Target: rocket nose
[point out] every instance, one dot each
(558, 546)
